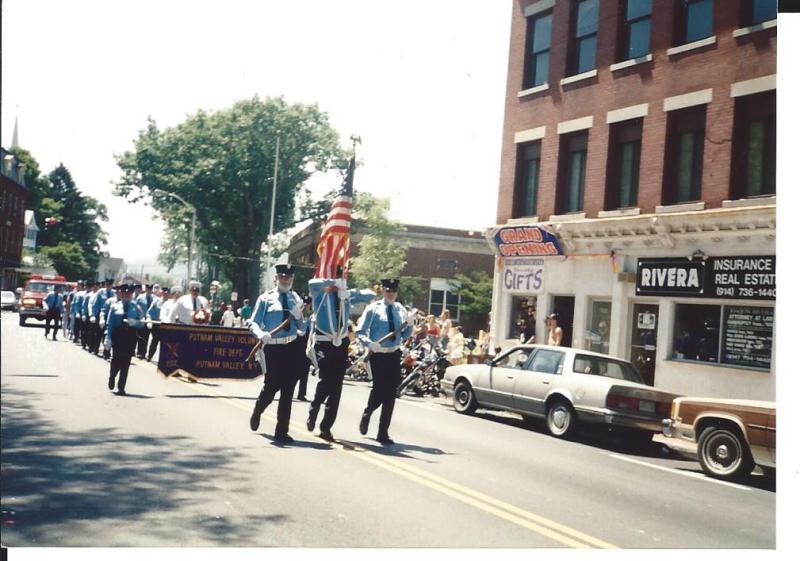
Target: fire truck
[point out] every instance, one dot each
(34, 292)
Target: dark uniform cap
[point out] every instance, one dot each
(81, 283)
(125, 287)
(390, 283)
(285, 269)
(108, 281)
(148, 286)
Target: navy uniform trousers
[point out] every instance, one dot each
(386, 378)
(123, 342)
(54, 315)
(332, 366)
(282, 373)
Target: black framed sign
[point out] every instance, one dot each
(741, 278)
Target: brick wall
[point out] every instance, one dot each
(717, 66)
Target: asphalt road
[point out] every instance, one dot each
(175, 464)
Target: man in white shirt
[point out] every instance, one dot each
(169, 305)
(187, 305)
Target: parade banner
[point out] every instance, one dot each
(206, 352)
(526, 241)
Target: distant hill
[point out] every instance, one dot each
(150, 266)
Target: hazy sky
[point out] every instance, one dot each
(422, 83)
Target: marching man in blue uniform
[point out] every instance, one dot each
(382, 328)
(276, 322)
(85, 324)
(103, 320)
(331, 301)
(124, 318)
(75, 311)
(54, 307)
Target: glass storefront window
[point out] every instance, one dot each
(734, 335)
(599, 328)
(523, 318)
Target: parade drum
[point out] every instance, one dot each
(201, 316)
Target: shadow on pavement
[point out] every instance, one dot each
(398, 449)
(102, 486)
(298, 443)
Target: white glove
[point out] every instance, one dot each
(102, 323)
(92, 319)
(266, 337)
(341, 286)
(107, 343)
(374, 347)
(83, 318)
(149, 325)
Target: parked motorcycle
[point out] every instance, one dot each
(425, 377)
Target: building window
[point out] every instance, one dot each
(732, 335)
(635, 29)
(623, 164)
(572, 173)
(583, 44)
(753, 161)
(442, 296)
(683, 170)
(694, 21)
(523, 318)
(537, 63)
(758, 11)
(528, 159)
(597, 336)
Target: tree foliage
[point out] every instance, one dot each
(475, 290)
(379, 256)
(76, 217)
(223, 164)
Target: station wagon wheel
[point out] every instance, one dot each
(464, 398)
(561, 420)
(724, 454)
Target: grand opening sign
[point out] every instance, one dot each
(526, 241)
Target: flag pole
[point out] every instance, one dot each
(272, 212)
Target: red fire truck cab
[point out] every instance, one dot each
(33, 293)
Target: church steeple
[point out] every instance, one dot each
(15, 136)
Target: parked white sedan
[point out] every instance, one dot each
(562, 385)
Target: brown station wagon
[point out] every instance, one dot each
(733, 435)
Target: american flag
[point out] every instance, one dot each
(333, 248)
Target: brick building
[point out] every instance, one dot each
(433, 255)
(640, 137)
(13, 198)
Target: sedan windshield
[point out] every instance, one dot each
(600, 366)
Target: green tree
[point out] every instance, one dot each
(223, 164)
(34, 182)
(379, 256)
(68, 259)
(475, 290)
(77, 219)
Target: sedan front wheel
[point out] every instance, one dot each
(464, 398)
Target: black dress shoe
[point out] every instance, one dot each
(284, 439)
(385, 440)
(301, 398)
(121, 392)
(363, 426)
(110, 383)
(255, 420)
(326, 435)
(311, 421)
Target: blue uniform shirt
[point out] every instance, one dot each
(53, 300)
(77, 303)
(325, 305)
(268, 314)
(154, 311)
(145, 301)
(107, 306)
(374, 324)
(85, 304)
(135, 316)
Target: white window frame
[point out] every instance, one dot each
(448, 287)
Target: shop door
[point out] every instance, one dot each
(564, 306)
(644, 329)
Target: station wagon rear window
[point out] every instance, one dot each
(599, 366)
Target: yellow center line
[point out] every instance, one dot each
(558, 532)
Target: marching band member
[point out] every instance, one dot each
(277, 319)
(125, 317)
(382, 328)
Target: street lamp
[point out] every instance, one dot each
(191, 233)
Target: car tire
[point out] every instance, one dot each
(724, 454)
(464, 398)
(561, 419)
